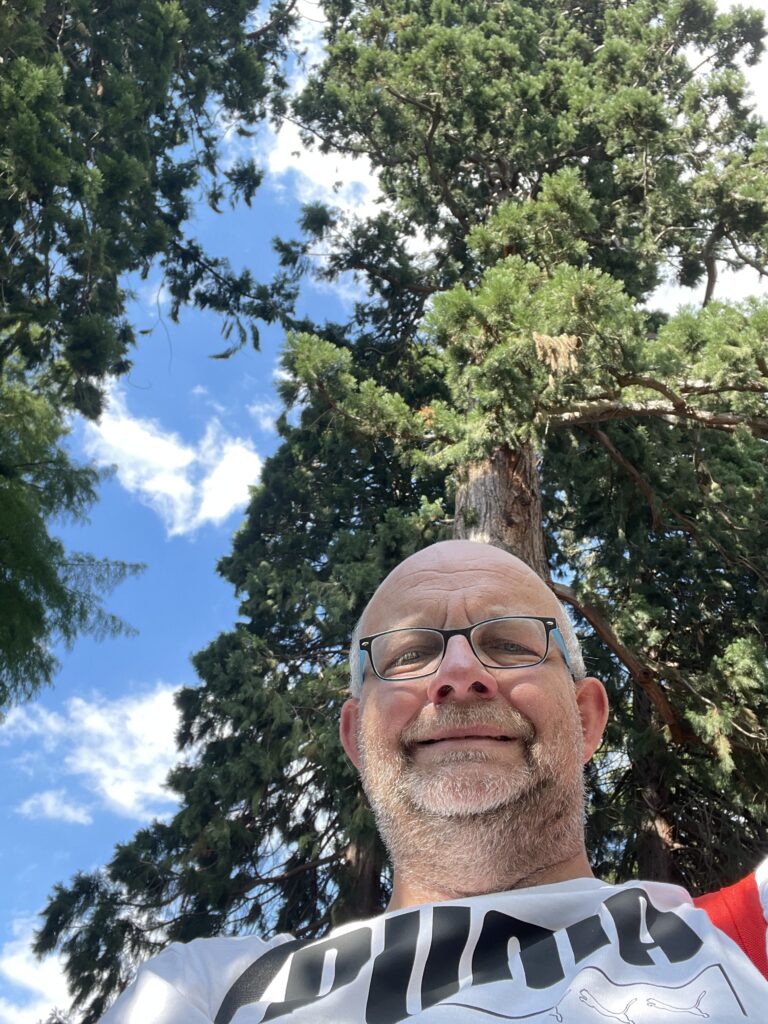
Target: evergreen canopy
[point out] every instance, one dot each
(544, 167)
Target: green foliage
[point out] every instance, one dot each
(110, 122)
(109, 127)
(56, 1016)
(623, 116)
(47, 594)
(560, 160)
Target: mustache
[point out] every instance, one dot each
(453, 715)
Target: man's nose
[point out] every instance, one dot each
(461, 676)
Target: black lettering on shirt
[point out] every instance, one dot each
(636, 919)
(538, 952)
(254, 981)
(392, 970)
(669, 932)
(586, 937)
(305, 975)
(450, 929)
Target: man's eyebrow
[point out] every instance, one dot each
(409, 622)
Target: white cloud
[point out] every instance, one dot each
(348, 287)
(125, 749)
(186, 485)
(55, 805)
(340, 179)
(343, 182)
(225, 486)
(201, 392)
(119, 751)
(41, 984)
(155, 296)
(279, 373)
(47, 726)
(265, 412)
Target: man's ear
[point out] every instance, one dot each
(592, 703)
(348, 726)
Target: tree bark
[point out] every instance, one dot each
(655, 837)
(498, 501)
(365, 863)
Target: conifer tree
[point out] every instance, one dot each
(544, 166)
(111, 117)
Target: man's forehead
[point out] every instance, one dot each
(486, 581)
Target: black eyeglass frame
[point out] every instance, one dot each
(550, 627)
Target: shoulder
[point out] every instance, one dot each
(188, 980)
(741, 911)
(214, 957)
(761, 881)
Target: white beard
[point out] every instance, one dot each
(487, 823)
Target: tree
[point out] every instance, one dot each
(111, 118)
(560, 151)
(111, 121)
(545, 166)
(56, 1017)
(46, 592)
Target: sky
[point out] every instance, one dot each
(186, 436)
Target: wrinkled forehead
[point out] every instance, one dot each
(454, 584)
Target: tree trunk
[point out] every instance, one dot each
(365, 863)
(655, 838)
(498, 501)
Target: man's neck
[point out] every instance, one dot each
(412, 885)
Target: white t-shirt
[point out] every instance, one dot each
(577, 952)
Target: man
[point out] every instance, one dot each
(470, 719)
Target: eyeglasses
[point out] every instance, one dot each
(514, 641)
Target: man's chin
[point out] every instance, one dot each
(465, 788)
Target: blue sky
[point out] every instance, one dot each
(84, 764)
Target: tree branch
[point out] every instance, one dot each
(258, 34)
(628, 379)
(627, 466)
(720, 389)
(750, 261)
(690, 527)
(309, 866)
(711, 263)
(602, 412)
(642, 673)
(437, 178)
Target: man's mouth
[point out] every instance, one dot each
(471, 733)
(468, 727)
(495, 739)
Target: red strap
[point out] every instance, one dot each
(738, 912)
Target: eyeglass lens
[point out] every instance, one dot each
(499, 643)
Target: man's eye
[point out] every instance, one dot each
(413, 656)
(407, 657)
(502, 649)
(509, 647)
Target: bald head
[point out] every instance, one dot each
(485, 580)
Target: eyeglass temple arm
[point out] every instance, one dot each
(563, 649)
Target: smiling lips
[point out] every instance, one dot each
(478, 732)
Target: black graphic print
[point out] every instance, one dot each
(320, 968)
